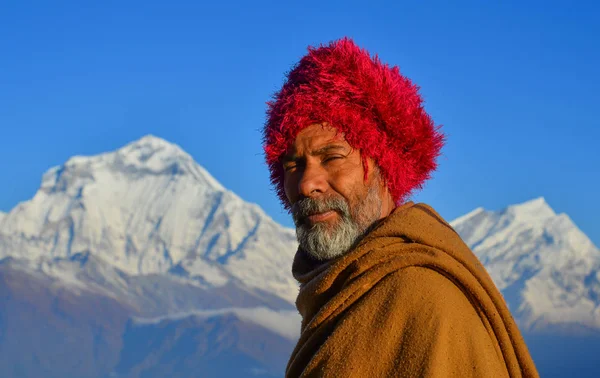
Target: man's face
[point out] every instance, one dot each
(331, 203)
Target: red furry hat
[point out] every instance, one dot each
(378, 110)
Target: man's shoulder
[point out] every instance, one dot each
(419, 290)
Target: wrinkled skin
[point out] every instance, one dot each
(332, 202)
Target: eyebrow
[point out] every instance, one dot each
(320, 151)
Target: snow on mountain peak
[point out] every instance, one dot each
(503, 235)
(152, 152)
(153, 142)
(149, 155)
(468, 216)
(535, 210)
(544, 265)
(146, 208)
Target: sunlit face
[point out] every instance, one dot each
(331, 202)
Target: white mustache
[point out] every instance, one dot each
(310, 206)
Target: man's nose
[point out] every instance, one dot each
(313, 182)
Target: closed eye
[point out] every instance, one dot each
(332, 158)
(292, 165)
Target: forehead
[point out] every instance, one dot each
(314, 137)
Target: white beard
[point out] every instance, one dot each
(323, 241)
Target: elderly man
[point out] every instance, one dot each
(387, 287)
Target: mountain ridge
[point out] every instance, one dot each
(139, 264)
(547, 269)
(147, 209)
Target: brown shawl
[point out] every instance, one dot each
(411, 300)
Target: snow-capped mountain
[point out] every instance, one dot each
(138, 262)
(546, 268)
(142, 248)
(148, 208)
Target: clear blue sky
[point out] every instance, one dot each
(516, 88)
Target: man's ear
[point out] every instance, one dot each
(365, 165)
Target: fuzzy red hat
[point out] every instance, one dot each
(378, 110)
